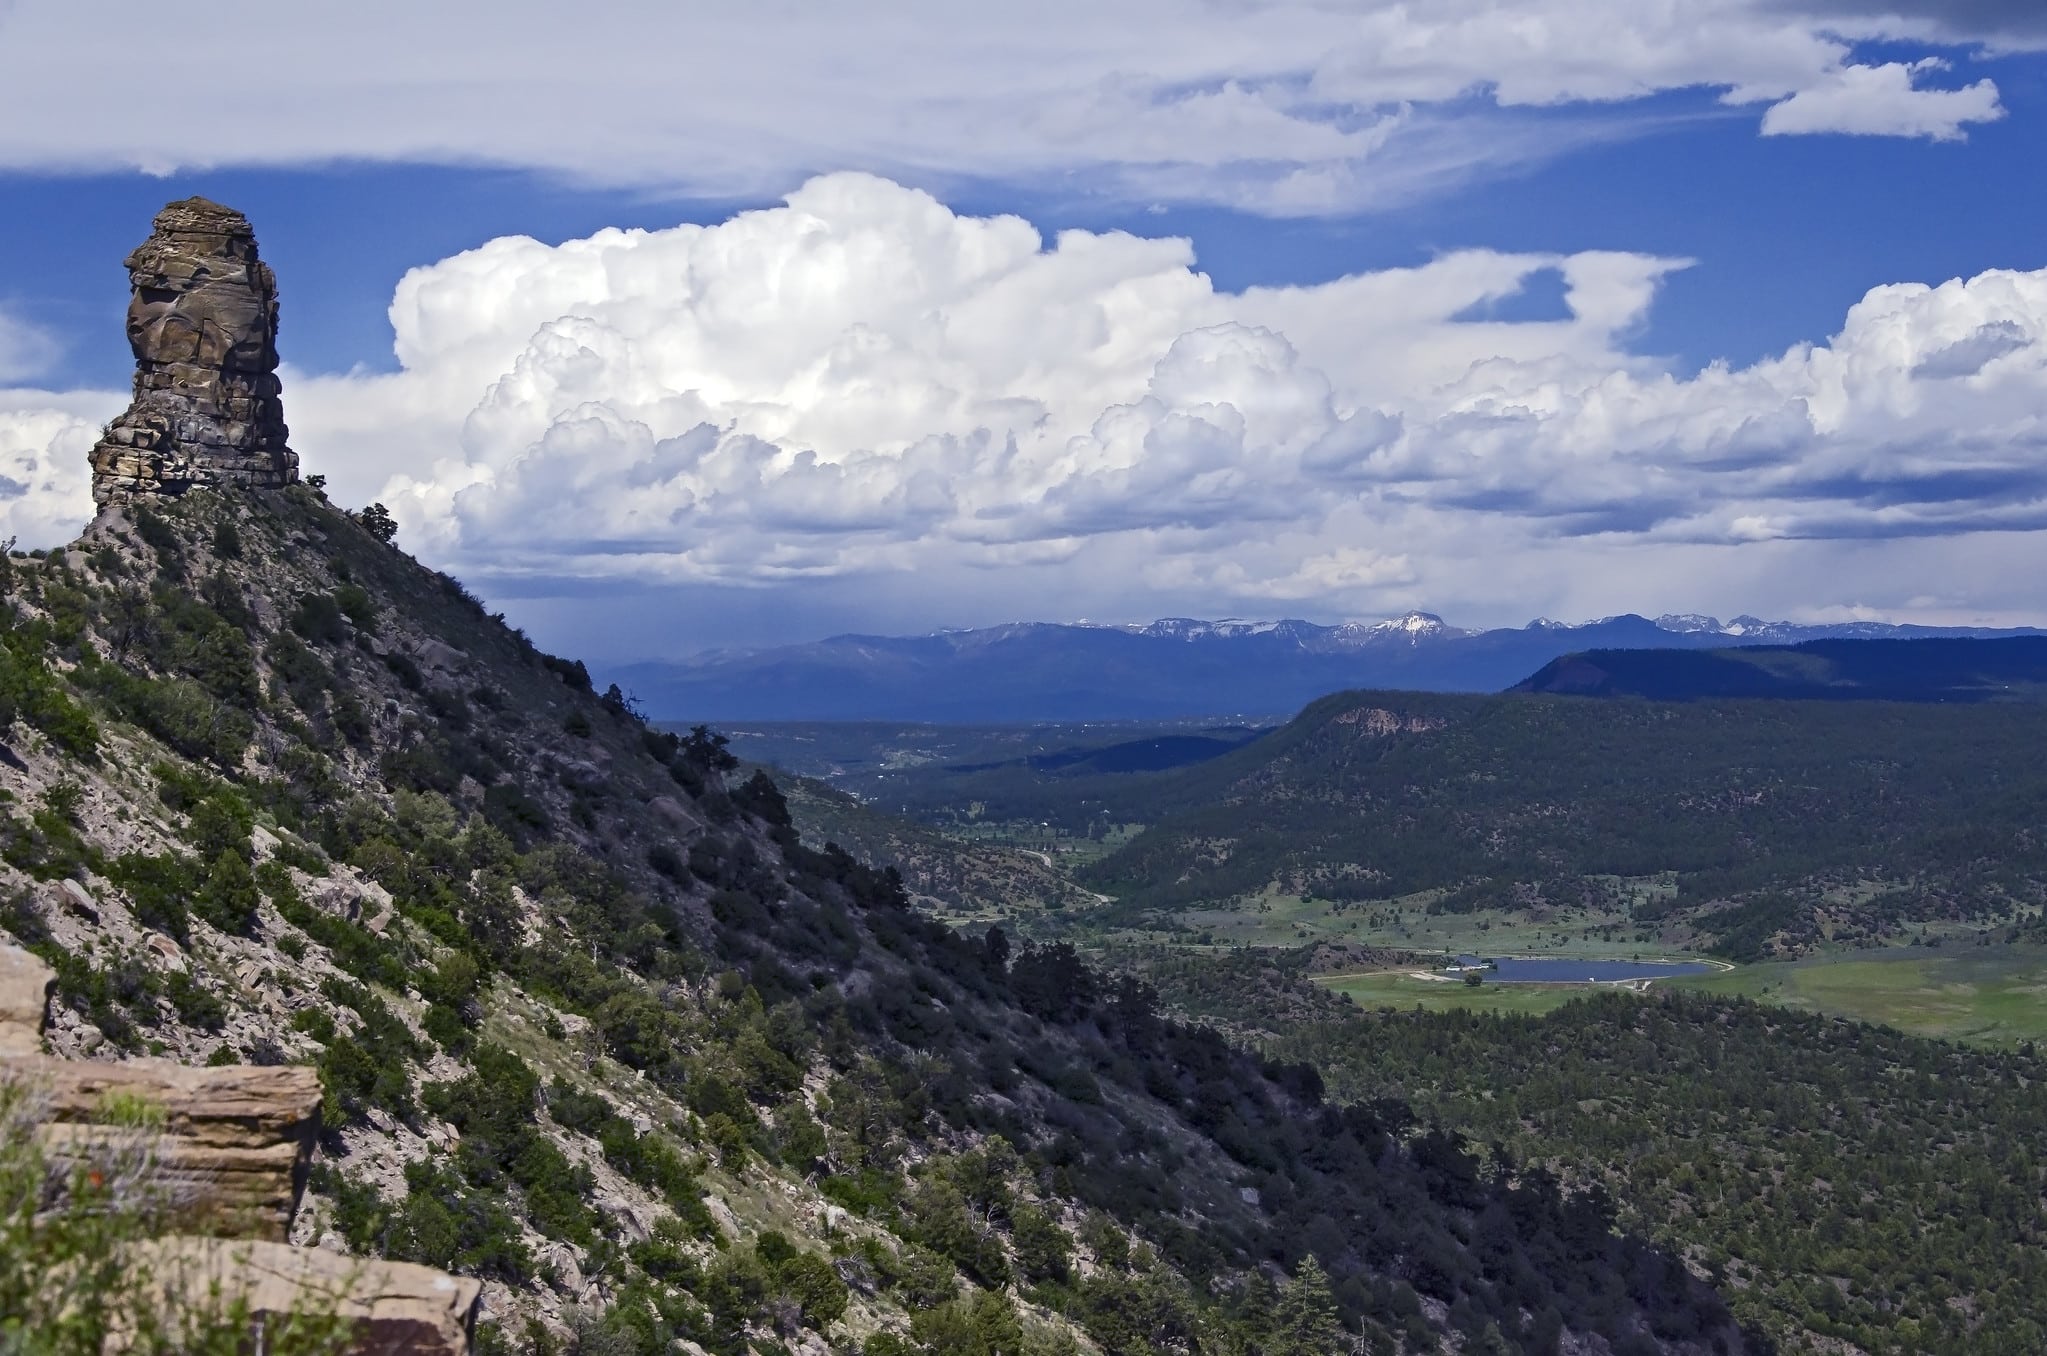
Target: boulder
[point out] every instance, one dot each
(74, 898)
(202, 322)
(168, 953)
(25, 984)
(392, 1308)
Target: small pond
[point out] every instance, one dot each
(1566, 970)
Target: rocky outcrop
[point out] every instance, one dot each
(203, 325)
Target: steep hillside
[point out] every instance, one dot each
(1779, 823)
(595, 1026)
(584, 1013)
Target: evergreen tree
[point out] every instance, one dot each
(1305, 1317)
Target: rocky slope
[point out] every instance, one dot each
(594, 1026)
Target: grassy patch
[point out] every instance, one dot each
(1988, 995)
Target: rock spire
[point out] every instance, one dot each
(203, 324)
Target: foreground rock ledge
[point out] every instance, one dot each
(236, 1142)
(392, 1308)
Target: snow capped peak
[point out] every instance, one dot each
(1225, 628)
(1418, 628)
(1689, 622)
(1414, 624)
(1174, 628)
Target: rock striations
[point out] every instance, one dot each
(203, 324)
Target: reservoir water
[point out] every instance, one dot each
(1565, 970)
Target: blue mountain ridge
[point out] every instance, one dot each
(1171, 669)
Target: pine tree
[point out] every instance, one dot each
(1306, 1323)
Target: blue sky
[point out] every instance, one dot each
(1556, 309)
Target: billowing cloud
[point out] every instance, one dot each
(1887, 101)
(45, 486)
(865, 394)
(1288, 107)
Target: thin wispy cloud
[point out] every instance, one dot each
(1284, 107)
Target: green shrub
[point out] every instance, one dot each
(1043, 1249)
(229, 898)
(810, 1283)
(30, 691)
(356, 603)
(49, 846)
(305, 676)
(221, 823)
(319, 618)
(179, 711)
(196, 1005)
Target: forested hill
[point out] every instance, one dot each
(1932, 670)
(1860, 1189)
(1760, 825)
(595, 1026)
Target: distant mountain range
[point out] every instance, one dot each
(2007, 668)
(1169, 669)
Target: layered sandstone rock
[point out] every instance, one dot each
(235, 1142)
(203, 325)
(230, 1145)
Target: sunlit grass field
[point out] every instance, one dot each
(1986, 995)
(1989, 995)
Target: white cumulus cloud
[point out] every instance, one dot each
(867, 397)
(1886, 101)
(25, 350)
(45, 485)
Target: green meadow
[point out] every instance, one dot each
(1987, 995)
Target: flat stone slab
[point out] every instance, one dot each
(393, 1308)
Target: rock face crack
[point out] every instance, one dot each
(203, 325)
